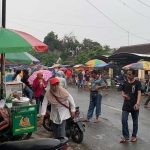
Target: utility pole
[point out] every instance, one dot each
(3, 55)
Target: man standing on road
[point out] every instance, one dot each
(95, 96)
(80, 80)
(132, 94)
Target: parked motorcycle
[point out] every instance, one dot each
(37, 144)
(74, 126)
(120, 85)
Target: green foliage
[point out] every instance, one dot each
(85, 56)
(69, 46)
(52, 41)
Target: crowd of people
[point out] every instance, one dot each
(54, 92)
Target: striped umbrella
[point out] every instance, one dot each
(96, 63)
(143, 65)
(17, 41)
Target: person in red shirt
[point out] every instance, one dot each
(68, 76)
(39, 85)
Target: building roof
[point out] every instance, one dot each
(140, 49)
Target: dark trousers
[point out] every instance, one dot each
(59, 129)
(125, 130)
(39, 101)
(147, 101)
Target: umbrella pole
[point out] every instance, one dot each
(3, 55)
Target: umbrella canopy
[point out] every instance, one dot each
(143, 65)
(79, 65)
(17, 41)
(20, 58)
(63, 69)
(96, 63)
(148, 68)
(46, 75)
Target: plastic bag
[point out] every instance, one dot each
(2, 104)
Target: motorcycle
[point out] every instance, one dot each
(37, 144)
(6, 133)
(119, 85)
(74, 126)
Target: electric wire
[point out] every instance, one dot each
(115, 22)
(143, 3)
(26, 26)
(134, 10)
(62, 23)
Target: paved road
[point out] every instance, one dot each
(106, 134)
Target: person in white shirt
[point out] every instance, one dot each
(62, 80)
(58, 97)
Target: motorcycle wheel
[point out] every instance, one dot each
(77, 137)
(47, 124)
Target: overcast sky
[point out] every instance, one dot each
(39, 17)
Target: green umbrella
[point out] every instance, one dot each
(17, 41)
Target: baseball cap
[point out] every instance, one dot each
(54, 80)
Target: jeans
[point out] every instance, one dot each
(95, 102)
(28, 90)
(39, 101)
(125, 130)
(59, 129)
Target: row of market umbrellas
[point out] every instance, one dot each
(90, 63)
(142, 65)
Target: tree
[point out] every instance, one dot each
(85, 56)
(69, 44)
(52, 41)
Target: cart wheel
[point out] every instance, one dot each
(26, 136)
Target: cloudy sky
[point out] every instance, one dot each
(105, 21)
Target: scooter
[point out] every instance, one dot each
(37, 144)
(74, 126)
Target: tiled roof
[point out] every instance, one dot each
(141, 49)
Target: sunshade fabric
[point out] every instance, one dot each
(17, 41)
(96, 63)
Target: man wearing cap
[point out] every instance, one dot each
(58, 97)
(95, 96)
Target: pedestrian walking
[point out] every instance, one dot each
(39, 85)
(86, 79)
(147, 101)
(95, 96)
(80, 80)
(58, 97)
(132, 95)
(62, 80)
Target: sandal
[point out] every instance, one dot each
(123, 140)
(85, 120)
(133, 139)
(96, 121)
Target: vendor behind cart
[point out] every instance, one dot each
(18, 78)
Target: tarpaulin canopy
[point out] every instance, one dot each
(20, 58)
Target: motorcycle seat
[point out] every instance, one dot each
(34, 144)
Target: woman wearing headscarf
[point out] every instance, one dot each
(59, 113)
(39, 85)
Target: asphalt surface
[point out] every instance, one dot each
(106, 134)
